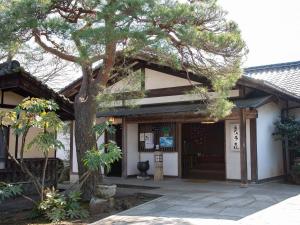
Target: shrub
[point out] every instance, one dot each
(9, 191)
(57, 207)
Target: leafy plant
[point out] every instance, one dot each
(9, 191)
(106, 153)
(98, 157)
(103, 155)
(288, 128)
(57, 207)
(34, 113)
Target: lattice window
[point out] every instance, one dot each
(162, 134)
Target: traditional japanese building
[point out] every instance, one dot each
(16, 85)
(239, 147)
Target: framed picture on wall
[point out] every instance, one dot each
(166, 142)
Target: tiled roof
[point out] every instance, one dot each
(282, 76)
(13, 76)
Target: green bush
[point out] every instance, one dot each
(9, 191)
(57, 207)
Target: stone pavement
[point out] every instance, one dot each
(211, 203)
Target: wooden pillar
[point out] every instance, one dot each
(243, 149)
(253, 150)
(179, 147)
(124, 148)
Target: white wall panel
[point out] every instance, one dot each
(233, 165)
(132, 148)
(269, 151)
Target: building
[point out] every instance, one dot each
(15, 85)
(241, 147)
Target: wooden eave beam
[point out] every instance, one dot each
(186, 117)
(26, 86)
(9, 81)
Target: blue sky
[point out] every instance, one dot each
(271, 29)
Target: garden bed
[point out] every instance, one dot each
(21, 212)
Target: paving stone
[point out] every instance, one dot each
(213, 203)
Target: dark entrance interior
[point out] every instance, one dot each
(116, 168)
(203, 154)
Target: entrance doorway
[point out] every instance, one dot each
(116, 167)
(203, 154)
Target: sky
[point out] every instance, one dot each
(271, 29)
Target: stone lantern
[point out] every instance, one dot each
(159, 169)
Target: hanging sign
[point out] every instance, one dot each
(149, 141)
(142, 136)
(166, 131)
(235, 137)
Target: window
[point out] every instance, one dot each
(157, 135)
(4, 137)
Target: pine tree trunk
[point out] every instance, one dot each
(85, 117)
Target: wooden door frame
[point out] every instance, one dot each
(120, 125)
(179, 132)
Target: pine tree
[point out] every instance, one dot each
(193, 36)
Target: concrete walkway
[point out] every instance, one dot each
(187, 202)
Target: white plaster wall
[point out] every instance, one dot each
(129, 83)
(156, 80)
(233, 165)
(63, 154)
(74, 158)
(132, 148)
(170, 164)
(269, 151)
(12, 98)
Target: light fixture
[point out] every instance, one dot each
(111, 119)
(208, 121)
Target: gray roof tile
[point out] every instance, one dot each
(284, 76)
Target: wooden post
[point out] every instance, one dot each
(253, 150)
(124, 148)
(243, 149)
(179, 147)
